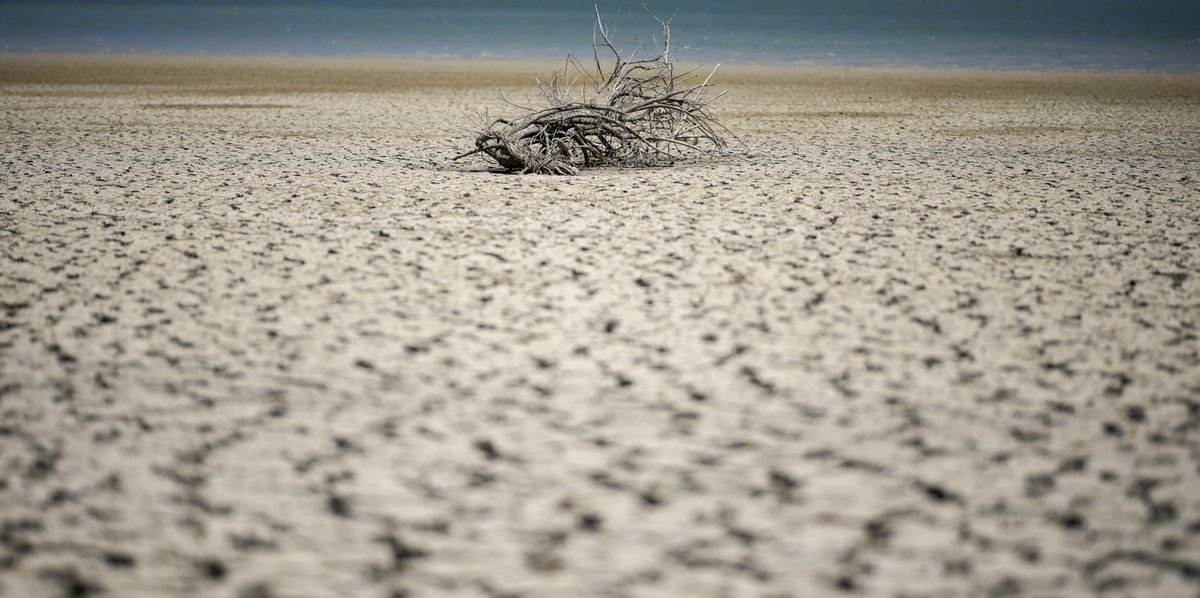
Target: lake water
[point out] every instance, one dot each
(1150, 35)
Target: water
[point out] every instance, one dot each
(1150, 35)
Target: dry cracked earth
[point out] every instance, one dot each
(935, 335)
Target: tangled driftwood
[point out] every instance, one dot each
(638, 112)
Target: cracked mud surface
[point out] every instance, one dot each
(258, 337)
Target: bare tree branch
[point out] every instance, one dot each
(639, 113)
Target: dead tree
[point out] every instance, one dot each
(637, 112)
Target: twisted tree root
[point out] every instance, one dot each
(639, 112)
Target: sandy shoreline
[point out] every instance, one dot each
(936, 335)
(247, 74)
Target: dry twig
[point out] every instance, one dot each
(638, 112)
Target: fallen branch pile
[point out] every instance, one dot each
(638, 112)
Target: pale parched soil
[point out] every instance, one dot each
(936, 335)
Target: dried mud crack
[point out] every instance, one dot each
(237, 360)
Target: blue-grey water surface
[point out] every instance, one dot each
(1151, 35)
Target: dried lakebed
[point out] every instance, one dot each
(936, 336)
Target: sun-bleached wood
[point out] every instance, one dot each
(635, 112)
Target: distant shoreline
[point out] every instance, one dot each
(532, 60)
